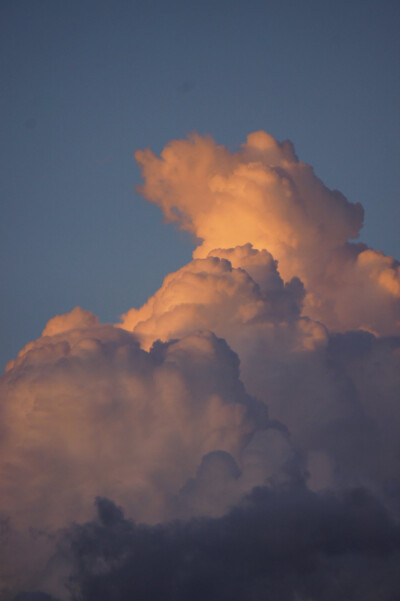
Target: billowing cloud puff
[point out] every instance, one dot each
(249, 306)
(212, 293)
(289, 362)
(240, 430)
(86, 411)
(263, 195)
(115, 418)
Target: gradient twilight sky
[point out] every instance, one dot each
(85, 84)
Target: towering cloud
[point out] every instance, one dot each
(236, 437)
(263, 195)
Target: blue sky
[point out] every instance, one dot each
(85, 84)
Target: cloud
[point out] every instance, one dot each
(263, 195)
(87, 412)
(229, 292)
(115, 418)
(33, 596)
(283, 544)
(288, 361)
(239, 430)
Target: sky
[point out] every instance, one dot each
(200, 308)
(86, 84)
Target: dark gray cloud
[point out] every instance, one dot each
(279, 545)
(33, 596)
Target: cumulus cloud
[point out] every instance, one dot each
(218, 294)
(263, 195)
(239, 430)
(88, 412)
(115, 418)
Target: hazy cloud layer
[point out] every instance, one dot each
(240, 431)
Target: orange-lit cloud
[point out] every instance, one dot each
(115, 418)
(263, 195)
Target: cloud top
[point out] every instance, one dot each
(263, 195)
